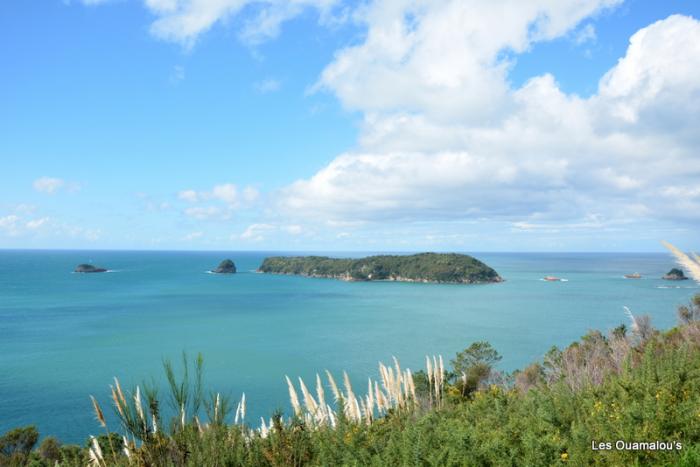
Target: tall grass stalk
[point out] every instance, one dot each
(690, 263)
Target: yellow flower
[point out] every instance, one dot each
(564, 456)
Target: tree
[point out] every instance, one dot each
(17, 444)
(472, 366)
(479, 353)
(50, 450)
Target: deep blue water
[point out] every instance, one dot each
(63, 336)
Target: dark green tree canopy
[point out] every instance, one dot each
(480, 354)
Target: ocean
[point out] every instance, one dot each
(64, 336)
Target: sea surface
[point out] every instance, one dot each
(64, 336)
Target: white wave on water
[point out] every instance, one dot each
(88, 273)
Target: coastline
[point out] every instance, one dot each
(349, 278)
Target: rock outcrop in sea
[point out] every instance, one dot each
(675, 274)
(87, 268)
(225, 267)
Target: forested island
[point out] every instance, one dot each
(448, 268)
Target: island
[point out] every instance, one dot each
(225, 267)
(675, 274)
(88, 268)
(444, 268)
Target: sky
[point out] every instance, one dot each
(326, 125)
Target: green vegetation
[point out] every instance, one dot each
(227, 266)
(423, 267)
(675, 274)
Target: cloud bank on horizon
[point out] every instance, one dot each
(449, 148)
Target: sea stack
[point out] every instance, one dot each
(675, 274)
(86, 268)
(225, 267)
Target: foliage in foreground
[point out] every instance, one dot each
(625, 386)
(634, 385)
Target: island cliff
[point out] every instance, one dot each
(225, 267)
(445, 268)
(675, 274)
(88, 268)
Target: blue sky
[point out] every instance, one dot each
(324, 125)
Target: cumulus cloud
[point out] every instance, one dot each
(227, 193)
(190, 196)
(256, 231)
(444, 59)
(221, 202)
(184, 20)
(445, 136)
(48, 185)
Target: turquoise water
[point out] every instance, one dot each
(63, 336)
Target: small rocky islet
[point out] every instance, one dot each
(88, 268)
(227, 266)
(675, 274)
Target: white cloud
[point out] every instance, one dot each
(36, 223)
(193, 236)
(657, 79)
(442, 58)
(190, 196)
(585, 34)
(15, 225)
(294, 229)
(8, 225)
(227, 193)
(220, 202)
(267, 86)
(184, 20)
(256, 232)
(48, 185)
(206, 212)
(250, 194)
(446, 137)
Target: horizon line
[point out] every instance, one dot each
(274, 250)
